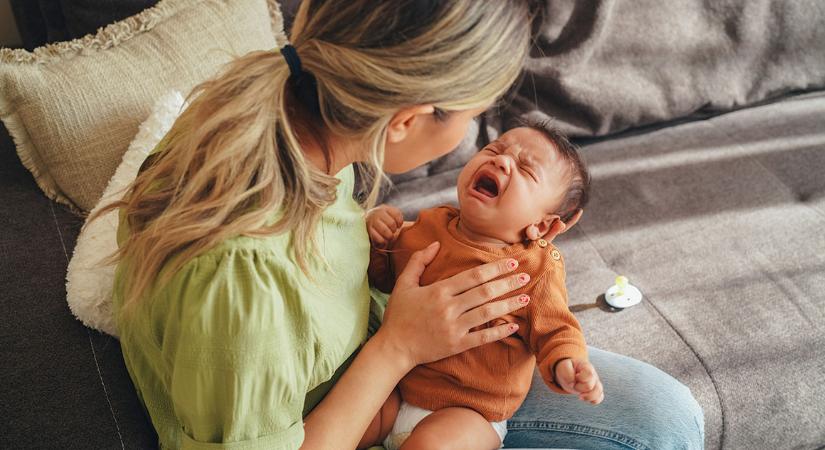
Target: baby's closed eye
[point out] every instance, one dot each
(529, 171)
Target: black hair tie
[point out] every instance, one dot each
(306, 88)
(292, 59)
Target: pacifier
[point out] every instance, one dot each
(622, 294)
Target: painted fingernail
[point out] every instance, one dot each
(523, 278)
(524, 299)
(513, 327)
(512, 264)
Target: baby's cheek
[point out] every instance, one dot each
(466, 176)
(514, 205)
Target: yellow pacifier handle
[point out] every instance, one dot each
(621, 283)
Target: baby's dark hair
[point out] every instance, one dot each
(578, 192)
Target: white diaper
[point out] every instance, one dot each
(408, 418)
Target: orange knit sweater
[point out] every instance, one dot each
(492, 379)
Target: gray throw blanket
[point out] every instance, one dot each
(602, 66)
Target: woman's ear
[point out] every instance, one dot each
(404, 120)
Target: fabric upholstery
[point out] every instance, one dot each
(81, 17)
(44, 21)
(64, 385)
(602, 66)
(65, 104)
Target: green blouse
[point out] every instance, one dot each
(240, 344)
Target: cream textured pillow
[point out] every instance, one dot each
(89, 285)
(73, 107)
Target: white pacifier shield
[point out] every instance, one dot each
(631, 296)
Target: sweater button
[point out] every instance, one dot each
(542, 243)
(556, 255)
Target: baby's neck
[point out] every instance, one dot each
(478, 237)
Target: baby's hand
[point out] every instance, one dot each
(383, 222)
(577, 376)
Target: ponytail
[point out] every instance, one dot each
(229, 164)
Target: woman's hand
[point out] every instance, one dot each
(427, 323)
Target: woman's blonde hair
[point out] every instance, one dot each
(233, 159)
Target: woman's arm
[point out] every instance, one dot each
(414, 332)
(342, 417)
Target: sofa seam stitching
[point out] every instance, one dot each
(793, 193)
(722, 407)
(89, 336)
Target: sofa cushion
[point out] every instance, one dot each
(73, 107)
(719, 223)
(43, 21)
(602, 66)
(82, 17)
(64, 385)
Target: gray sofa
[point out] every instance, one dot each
(708, 163)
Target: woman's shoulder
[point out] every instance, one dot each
(235, 288)
(243, 253)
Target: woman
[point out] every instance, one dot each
(241, 293)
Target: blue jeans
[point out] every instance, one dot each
(643, 408)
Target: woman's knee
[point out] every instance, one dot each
(680, 420)
(644, 408)
(668, 415)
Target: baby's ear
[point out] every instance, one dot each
(552, 225)
(547, 226)
(575, 219)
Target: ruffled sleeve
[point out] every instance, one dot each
(234, 340)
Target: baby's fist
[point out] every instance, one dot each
(578, 376)
(383, 222)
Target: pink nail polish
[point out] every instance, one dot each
(524, 299)
(513, 327)
(523, 278)
(512, 264)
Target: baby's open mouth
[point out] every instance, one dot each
(487, 185)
